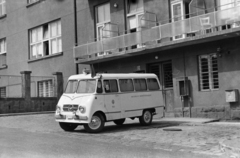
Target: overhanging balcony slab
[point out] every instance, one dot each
(160, 47)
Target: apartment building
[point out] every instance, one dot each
(36, 36)
(192, 45)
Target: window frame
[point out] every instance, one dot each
(4, 91)
(3, 42)
(138, 14)
(32, 1)
(50, 91)
(209, 72)
(128, 91)
(100, 25)
(110, 85)
(40, 50)
(3, 8)
(149, 86)
(140, 90)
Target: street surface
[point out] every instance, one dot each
(38, 136)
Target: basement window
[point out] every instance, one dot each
(45, 88)
(3, 92)
(208, 72)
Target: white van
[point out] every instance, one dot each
(92, 101)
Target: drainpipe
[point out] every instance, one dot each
(75, 28)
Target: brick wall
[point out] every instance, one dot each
(20, 105)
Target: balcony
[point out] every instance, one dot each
(198, 29)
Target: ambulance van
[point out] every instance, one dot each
(92, 101)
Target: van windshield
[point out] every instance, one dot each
(86, 86)
(71, 86)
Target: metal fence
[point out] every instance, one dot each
(41, 86)
(10, 86)
(181, 28)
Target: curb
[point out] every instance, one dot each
(228, 150)
(26, 113)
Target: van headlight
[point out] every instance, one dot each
(58, 110)
(82, 109)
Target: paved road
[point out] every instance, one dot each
(40, 135)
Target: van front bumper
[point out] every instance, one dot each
(70, 118)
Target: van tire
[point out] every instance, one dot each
(68, 126)
(96, 125)
(146, 118)
(119, 122)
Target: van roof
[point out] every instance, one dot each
(113, 76)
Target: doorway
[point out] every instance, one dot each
(164, 72)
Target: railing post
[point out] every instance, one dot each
(58, 86)
(26, 84)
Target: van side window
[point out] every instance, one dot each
(110, 86)
(152, 84)
(99, 87)
(126, 85)
(140, 84)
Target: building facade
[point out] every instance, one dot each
(36, 36)
(191, 45)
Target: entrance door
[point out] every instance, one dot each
(164, 72)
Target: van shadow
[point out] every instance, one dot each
(112, 128)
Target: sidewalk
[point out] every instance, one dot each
(230, 148)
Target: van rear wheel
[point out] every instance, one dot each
(68, 126)
(146, 118)
(96, 125)
(119, 122)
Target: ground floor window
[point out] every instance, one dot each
(45, 88)
(208, 72)
(2, 92)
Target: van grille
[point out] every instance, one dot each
(70, 107)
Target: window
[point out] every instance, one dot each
(32, 1)
(135, 6)
(152, 84)
(110, 86)
(2, 7)
(2, 92)
(86, 86)
(126, 85)
(102, 17)
(167, 75)
(135, 13)
(140, 84)
(46, 40)
(45, 88)
(208, 72)
(3, 47)
(71, 86)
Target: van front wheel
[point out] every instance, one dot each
(146, 118)
(96, 125)
(68, 126)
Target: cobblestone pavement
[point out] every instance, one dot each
(200, 139)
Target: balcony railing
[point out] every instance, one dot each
(194, 26)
